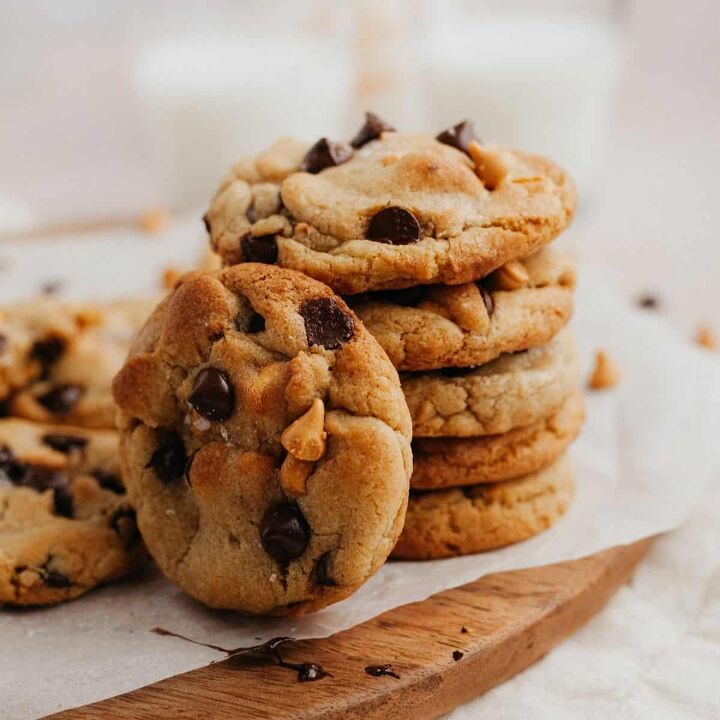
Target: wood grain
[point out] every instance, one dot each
(512, 619)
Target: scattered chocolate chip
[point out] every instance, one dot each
(284, 532)
(256, 323)
(394, 226)
(62, 398)
(54, 579)
(324, 154)
(460, 136)
(373, 128)
(381, 670)
(464, 630)
(648, 302)
(326, 323)
(322, 571)
(262, 249)
(457, 655)
(213, 395)
(109, 481)
(48, 351)
(488, 300)
(206, 222)
(168, 460)
(64, 443)
(3, 344)
(123, 522)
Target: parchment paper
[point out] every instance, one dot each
(647, 451)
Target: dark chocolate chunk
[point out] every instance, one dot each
(62, 398)
(458, 655)
(206, 222)
(326, 323)
(373, 128)
(284, 532)
(64, 443)
(460, 136)
(395, 226)
(109, 481)
(213, 395)
(324, 154)
(168, 460)
(381, 670)
(262, 249)
(54, 579)
(322, 572)
(48, 351)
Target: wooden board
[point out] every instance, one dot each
(512, 619)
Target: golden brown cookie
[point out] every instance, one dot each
(66, 525)
(460, 521)
(515, 390)
(266, 442)
(390, 210)
(453, 462)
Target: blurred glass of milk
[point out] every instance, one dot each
(208, 102)
(543, 84)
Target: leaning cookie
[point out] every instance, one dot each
(389, 210)
(516, 389)
(265, 441)
(440, 462)
(65, 522)
(521, 305)
(58, 358)
(460, 521)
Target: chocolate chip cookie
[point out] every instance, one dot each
(516, 389)
(65, 522)
(442, 462)
(389, 210)
(265, 441)
(521, 305)
(57, 358)
(459, 521)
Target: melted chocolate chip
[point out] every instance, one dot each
(109, 481)
(324, 154)
(3, 344)
(54, 579)
(262, 249)
(394, 226)
(64, 443)
(458, 655)
(62, 398)
(48, 351)
(322, 572)
(206, 222)
(326, 323)
(256, 323)
(123, 522)
(488, 300)
(381, 670)
(460, 136)
(284, 532)
(212, 395)
(168, 460)
(373, 128)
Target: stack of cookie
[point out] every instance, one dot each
(440, 246)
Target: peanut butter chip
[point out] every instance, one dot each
(294, 474)
(489, 165)
(605, 374)
(511, 276)
(705, 338)
(305, 438)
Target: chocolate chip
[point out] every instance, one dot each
(48, 351)
(324, 154)
(206, 222)
(395, 226)
(109, 481)
(322, 571)
(464, 630)
(123, 522)
(54, 579)
(460, 136)
(381, 670)
(326, 323)
(458, 655)
(168, 460)
(284, 532)
(40, 478)
(373, 128)
(62, 398)
(3, 344)
(262, 249)
(64, 443)
(488, 300)
(256, 323)
(212, 395)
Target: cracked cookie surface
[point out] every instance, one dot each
(460, 521)
(397, 211)
(453, 462)
(515, 390)
(66, 525)
(435, 326)
(58, 358)
(266, 441)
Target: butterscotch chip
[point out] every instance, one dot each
(305, 438)
(489, 165)
(511, 276)
(294, 474)
(705, 338)
(605, 373)
(154, 221)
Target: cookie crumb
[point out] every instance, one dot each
(154, 221)
(605, 374)
(705, 338)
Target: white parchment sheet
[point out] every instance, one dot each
(646, 453)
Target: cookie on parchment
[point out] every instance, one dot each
(266, 442)
(440, 462)
(390, 210)
(65, 522)
(460, 521)
(521, 305)
(515, 390)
